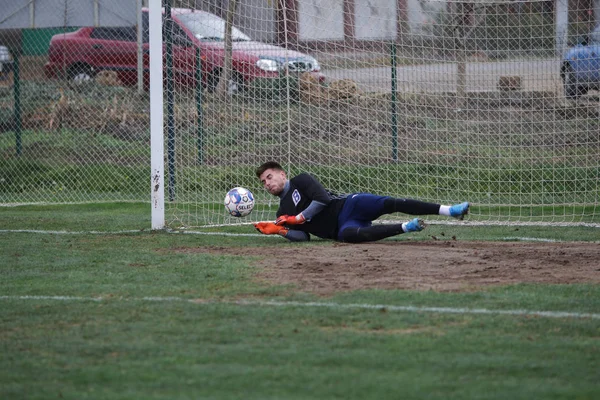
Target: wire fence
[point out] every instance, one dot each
(493, 102)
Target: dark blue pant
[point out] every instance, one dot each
(360, 210)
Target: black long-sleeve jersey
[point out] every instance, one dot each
(304, 188)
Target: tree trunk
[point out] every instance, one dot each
(227, 73)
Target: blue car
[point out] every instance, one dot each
(580, 70)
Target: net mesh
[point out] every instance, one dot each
(441, 101)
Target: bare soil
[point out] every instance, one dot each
(426, 265)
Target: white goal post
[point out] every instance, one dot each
(157, 179)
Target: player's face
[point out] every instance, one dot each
(273, 181)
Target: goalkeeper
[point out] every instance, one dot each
(306, 207)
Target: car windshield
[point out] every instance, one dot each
(210, 27)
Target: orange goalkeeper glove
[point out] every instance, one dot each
(290, 220)
(269, 228)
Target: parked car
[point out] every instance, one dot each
(6, 61)
(80, 55)
(580, 70)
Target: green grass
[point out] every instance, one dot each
(120, 350)
(126, 347)
(109, 217)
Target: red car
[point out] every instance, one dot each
(80, 55)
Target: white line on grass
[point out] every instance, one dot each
(57, 298)
(69, 232)
(531, 239)
(220, 233)
(130, 231)
(339, 306)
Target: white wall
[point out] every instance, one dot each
(321, 19)
(375, 19)
(258, 21)
(58, 13)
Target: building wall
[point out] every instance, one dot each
(321, 20)
(258, 21)
(298, 22)
(375, 19)
(17, 14)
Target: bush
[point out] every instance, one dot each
(274, 89)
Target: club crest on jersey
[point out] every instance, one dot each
(296, 197)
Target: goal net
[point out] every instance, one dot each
(442, 101)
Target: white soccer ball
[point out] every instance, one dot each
(239, 202)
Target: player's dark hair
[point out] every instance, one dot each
(268, 165)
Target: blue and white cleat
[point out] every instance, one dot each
(459, 210)
(415, 225)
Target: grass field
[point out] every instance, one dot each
(96, 306)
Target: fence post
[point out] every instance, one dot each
(17, 123)
(170, 99)
(199, 105)
(394, 101)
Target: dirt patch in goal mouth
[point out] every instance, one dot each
(428, 265)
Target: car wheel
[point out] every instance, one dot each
(80, 74)
(572, 89)
(213, 80)
(235, 85)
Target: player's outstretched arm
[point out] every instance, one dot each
(290, 220)
(269, 228)
(313, 209)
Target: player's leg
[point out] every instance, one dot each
(363, 207)
(359, 234)
(418, 207)
(457, 211)
(355, 220)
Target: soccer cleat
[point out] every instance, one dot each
(459, 210)
(415, 225)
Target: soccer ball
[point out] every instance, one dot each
(239, 202)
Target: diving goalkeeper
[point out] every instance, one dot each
(307, 208)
